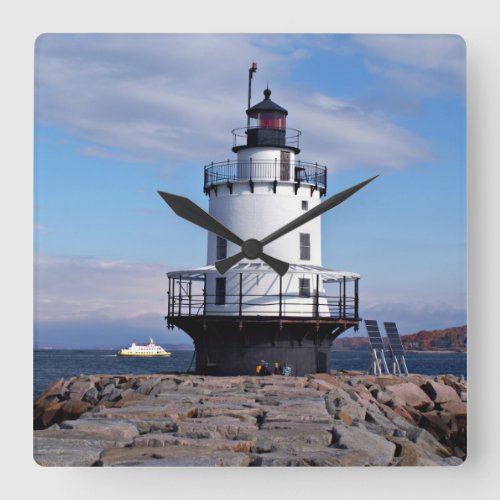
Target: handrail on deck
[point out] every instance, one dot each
(292, 171)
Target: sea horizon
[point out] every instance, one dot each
(52, 364)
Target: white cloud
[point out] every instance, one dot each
(422, 64)
(342, 134)
(414, 316)
(176, 98)
(420, 51)
(79, 288)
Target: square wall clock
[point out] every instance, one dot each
(250, 250)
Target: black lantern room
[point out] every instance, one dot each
(266, 124)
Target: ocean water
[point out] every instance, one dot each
(50, 365)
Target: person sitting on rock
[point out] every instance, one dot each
(277, 368)
(262, 368)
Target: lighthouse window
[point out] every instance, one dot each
(221, 248)
(254, 120)
(304, 287)
(305, 205)
(267, 120)
(305, 246)
(220, 291)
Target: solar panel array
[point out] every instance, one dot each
(374, 334)
(394, 338)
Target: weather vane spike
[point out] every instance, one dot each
(251, 71)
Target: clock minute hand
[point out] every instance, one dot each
(314, 212)
(188, 210)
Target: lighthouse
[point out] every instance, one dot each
(263, 293)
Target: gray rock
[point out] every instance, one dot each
(261, 444)
(113, 394)
(129, 384)
(152, 426)
(105, 381)
(337, 393)
(150, 409)
(411, 394)
(91, 396)
(378, 423)
(164, 387)
(384, 397)
(56, 452)
(209, 445)
(276, 459)
(395, 418)
(306, 434)
(314, 410)
(440, 393)
(214, 427)
(452, 461)
(379, 450)
(79, 388)
(83, 438)
(173, 456)
(57, 388)
(240, 421)
(427, 443)
(106, 429)
(107, 389)
(420, 454)
(146, 386)
(338, 402)
(227, 459)
(311, 456)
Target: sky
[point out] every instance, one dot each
(118, 117)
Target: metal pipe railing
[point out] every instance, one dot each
(240, 135)
(298, 171)
(281, 305)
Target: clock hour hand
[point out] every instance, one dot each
(188, 210)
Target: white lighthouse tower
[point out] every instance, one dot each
(249, 312)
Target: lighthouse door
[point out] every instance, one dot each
(285, 166)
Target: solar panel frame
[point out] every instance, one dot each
(374, 335)
(394, 339)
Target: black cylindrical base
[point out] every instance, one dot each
(228, 345)
(244, 360)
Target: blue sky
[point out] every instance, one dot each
(118, 117)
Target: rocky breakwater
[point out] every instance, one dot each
(337, 419)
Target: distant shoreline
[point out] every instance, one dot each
(172, 348)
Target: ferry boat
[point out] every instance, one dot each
(146, 350)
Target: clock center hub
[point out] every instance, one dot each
(251, 249)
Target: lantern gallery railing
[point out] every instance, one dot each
(187, 300)
(283, 137)
(299, 172)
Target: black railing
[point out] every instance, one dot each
(332, 306)
(182, 302)
(290, 138)
(299, 172)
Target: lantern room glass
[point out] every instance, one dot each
(267, 119)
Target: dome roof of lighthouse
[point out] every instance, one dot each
(267, 105)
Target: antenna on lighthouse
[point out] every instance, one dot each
(251, 71)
